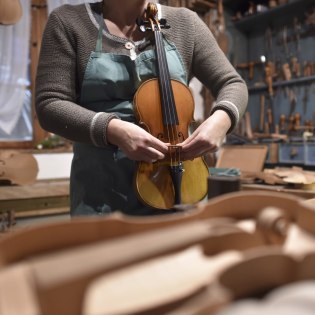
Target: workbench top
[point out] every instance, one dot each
(46, 196)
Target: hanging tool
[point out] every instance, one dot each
(270, 118)
(295, 66)
(270, 110)
(295, 61)
(291, 124)
(286, 71)
(282, 123)
(250, 67)
(308, 125)
(305, 98)
(262, 113)
(221, 34)
(269, 51)
(293, 101)
(285, 66)
(248, 126)
(270, 59)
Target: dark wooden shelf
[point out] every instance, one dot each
(298, 81)
(240, 5)
(275, 17)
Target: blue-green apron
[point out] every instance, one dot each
(102, 178)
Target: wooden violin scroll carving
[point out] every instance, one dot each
(151, 11)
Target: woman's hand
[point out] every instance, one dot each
(208, 137)
(135, 142)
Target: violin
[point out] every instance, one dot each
(164, 107)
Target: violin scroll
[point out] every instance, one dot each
(151, 11)
(150, 16)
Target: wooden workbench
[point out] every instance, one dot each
(41, 198)
(46, 197)
(307, 194)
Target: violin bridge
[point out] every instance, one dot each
(174, 156)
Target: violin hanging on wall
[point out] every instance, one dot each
(10, 11)
(171, 181)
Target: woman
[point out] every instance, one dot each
(93, 59)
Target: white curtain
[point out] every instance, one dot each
(15, 100)
(14, 63)
(53, 4)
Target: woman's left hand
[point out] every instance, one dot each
(208, 137)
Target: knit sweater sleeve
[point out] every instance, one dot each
(214, 70)
(57, 85)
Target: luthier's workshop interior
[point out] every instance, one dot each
(228, 231)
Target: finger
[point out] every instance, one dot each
(152, 154)
(194, 144)
(191, 155)
(148, 160)
(158, 145)
(193, 152)
(189, 139)
(197, 152)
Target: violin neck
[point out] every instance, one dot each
(169, 112)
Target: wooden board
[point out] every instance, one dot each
(19, 168)
(38, 196)
(247, 158)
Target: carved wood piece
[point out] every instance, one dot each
(18, 168)
(10, 11)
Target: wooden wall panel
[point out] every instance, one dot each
(39, 19)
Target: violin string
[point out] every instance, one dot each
(170, 101)
(172, 106)
(169, 92)
(164, 96)
(162, 81)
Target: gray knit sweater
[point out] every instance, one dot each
(70, 36)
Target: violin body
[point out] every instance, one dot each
(154, 183)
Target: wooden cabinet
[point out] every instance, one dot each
(278, 62)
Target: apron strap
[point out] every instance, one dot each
(99, 42)
(100, 19)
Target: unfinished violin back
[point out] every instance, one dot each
(192, 263)
(18, 168)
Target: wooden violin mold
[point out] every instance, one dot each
(108, 245)
(18, 168)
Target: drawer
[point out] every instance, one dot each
(291, 153)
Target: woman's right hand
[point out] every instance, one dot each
(135, 142)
